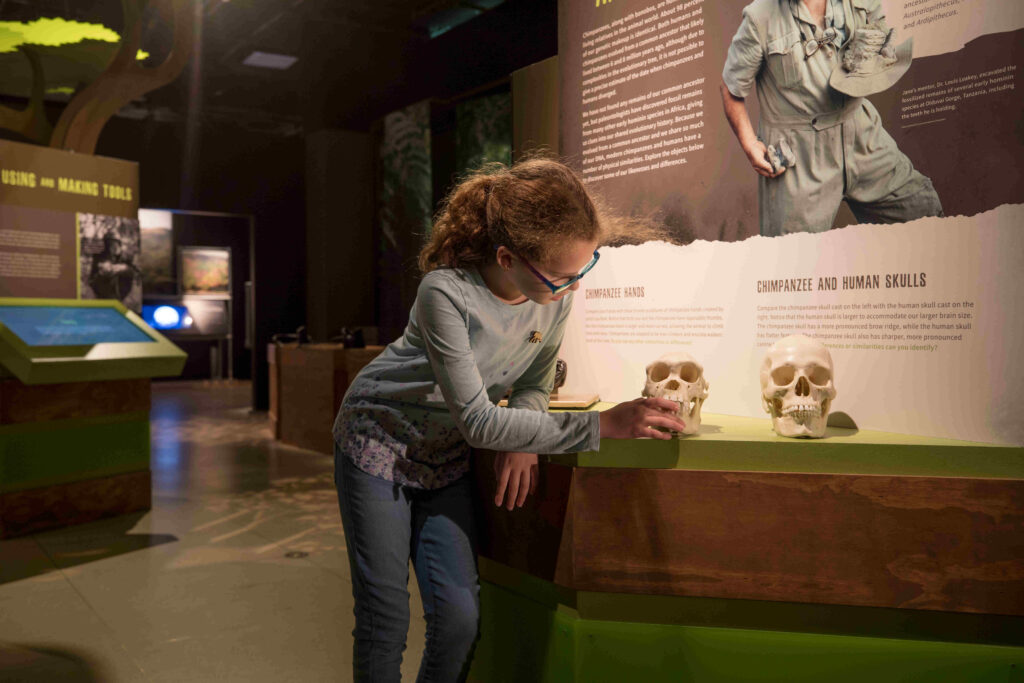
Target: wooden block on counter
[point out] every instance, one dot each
(312, 380)
(274, 389)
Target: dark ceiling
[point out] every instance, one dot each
(356, 58)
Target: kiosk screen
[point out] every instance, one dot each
(70, 326)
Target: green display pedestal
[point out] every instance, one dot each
(528, 634)
(74, 411)
(737, 555)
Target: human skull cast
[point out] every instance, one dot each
(797, 386)
(678, 377)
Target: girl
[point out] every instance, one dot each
(506, 253)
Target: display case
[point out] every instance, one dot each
(737, 554)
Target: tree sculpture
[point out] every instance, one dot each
(122, 81)
(31, 121)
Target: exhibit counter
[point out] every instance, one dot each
(74, 411)
(736, 554)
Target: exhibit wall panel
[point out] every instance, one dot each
(68, 225)
(535, 108)
(891, 233)
(404, 211)
(483, 132)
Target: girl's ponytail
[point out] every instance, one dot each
(534, 208)
(460, 235)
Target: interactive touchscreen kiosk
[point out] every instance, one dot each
(45, 341)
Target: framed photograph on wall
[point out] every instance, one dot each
(205, 271)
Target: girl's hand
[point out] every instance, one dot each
(639, 417)
(517, 475)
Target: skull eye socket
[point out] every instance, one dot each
(783, 375)
(689, 372)
(819, 376)
(659, 371)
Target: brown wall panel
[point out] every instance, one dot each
(21, 403)
(910, 542)
(526, 538)
(54, 507)
(928, 543)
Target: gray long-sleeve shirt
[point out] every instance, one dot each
(413, 413)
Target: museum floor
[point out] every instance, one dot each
(238, 573)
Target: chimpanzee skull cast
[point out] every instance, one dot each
(678, 377)
(796, 386)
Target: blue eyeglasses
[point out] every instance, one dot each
(555, 289)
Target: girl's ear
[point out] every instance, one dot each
(504, 258)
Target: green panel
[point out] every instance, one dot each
(483, 132)
(405, 208)
(729, 443)
(405, 175)
(879, 622)
(525, 640)
(44, 454)
(98, 362)
(675, 610)
(611, 651)
(521, 640)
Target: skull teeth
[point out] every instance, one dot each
(686, 405)
(803, 410)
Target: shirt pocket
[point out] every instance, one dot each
(785, 59)
(864, 9)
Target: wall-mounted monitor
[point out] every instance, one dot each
(190, 316)
(156, 258)
(205, 271)
(167, 316)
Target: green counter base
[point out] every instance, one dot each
(72, 453)
(526, 636)
(736, 555)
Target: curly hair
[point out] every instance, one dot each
(534, 208)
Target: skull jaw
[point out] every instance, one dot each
(807, 421)
(811, 428)
(689, 414)
(803, 419)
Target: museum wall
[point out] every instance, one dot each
(242, 172)
(340, 201)
(400, 73)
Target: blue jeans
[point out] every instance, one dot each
(386, 524)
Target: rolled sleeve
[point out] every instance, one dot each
(444, 328)
(744, 59)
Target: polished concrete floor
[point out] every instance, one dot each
(238, 573)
